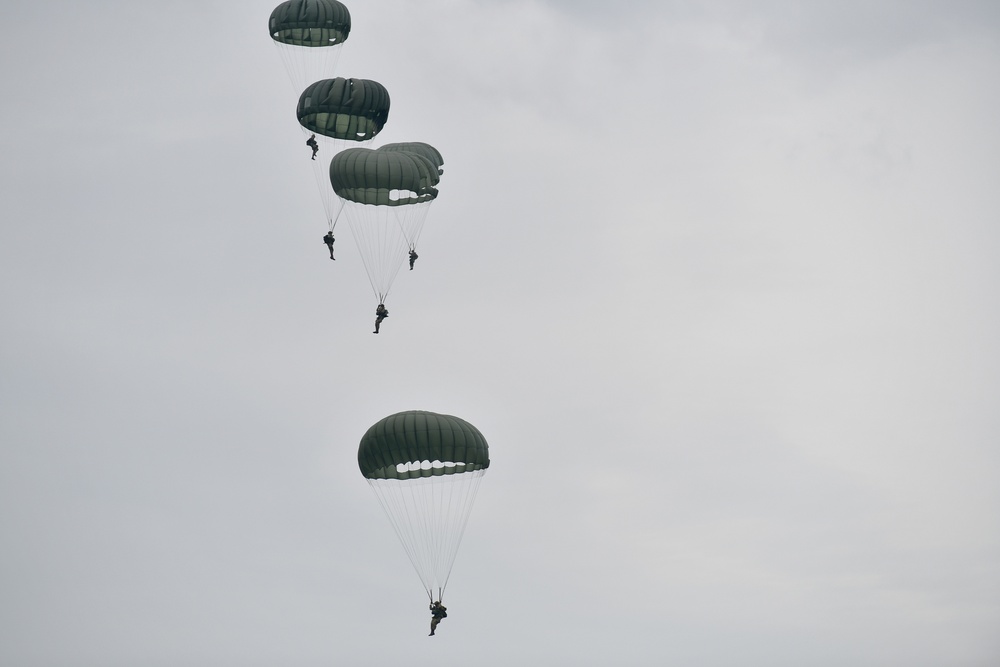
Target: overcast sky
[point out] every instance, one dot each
(717, 281)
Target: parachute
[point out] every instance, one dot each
(340, 112)
(413, 225)
(309, 35)
(425, 469)
(384, 193)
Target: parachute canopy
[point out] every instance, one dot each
(383, 178)
(425, 470)
(346, 109)
(309, 35)
(310, 23)
(421, 444)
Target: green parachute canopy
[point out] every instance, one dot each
(310, 23)
(344, 109)
(420, 148)
(416, 444)
(383, 178)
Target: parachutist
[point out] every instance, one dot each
(413, 257)
(329, 241)
(380, 314)
(428, 514)
(311, 143)
(438, 612)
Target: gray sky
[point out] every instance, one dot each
(716, 281)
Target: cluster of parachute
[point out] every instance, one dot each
(384, 193)
(424, 467)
